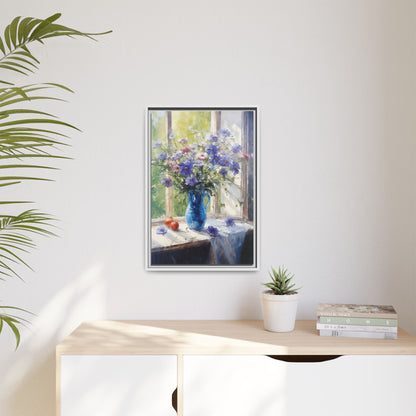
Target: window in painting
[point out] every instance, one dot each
(182, 132)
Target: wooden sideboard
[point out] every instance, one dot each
(226, 368)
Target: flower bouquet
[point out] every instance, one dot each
(198, 169)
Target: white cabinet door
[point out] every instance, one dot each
(262, 386)
(353, 385)
(233, 386)
(132, 385)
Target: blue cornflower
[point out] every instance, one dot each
(199, 163)
(171, 136)
(167, 182)
(223, 172)
(177, 155)
(211, 138)
(229, 222)
(236, 148)
(212, 231)
(161, 230)
(191, 181)
(157, 144)
(186, 167)
(225, 133)
(235, 168)
(224, 160)
(212, 149)
(214, 158)
(162, 156)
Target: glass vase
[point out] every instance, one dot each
(196, 211)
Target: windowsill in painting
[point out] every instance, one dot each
(184, 237)
(159, 221)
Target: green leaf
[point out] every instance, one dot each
(38, 121)
(28, 29)
(14, 166)
(280, 281)
(2, 46)
(21, 28)
(34, 155)
(12, 320)
(13, 30)
(23, 178)
(15, 65)
(44, 24)
(7, 37)
(24, 111)
(9, 183)
(11, 68)
(58, 86)
(15, 330)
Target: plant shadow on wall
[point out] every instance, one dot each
(30, 141)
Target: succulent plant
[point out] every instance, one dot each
(281, 282)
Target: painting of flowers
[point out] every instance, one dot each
(202, 188)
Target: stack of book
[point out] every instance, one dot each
(357, 321)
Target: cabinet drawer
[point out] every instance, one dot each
(128, 385)
(260, 385)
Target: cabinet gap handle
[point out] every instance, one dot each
(175, 400)
(304, 358)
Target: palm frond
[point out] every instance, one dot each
(23, 137)
(26, 133)
(16, 237)
(12, 320)
(22, 31)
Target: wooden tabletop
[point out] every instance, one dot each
(219, 337)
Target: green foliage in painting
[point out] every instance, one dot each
(29, 141)
(199, 121)
(185, 124)
(158, 193)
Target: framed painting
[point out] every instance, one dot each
(201, 186)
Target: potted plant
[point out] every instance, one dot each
(26, 135)
(280, 301)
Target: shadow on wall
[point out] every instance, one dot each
(28, 385)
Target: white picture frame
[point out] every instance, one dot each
(235, 248)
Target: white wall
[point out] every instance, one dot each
(335, 84)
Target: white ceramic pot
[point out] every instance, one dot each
(279, 311)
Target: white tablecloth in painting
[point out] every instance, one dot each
(229, 242)
(227, 245)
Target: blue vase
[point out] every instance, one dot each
(196, 211)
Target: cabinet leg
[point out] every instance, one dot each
(179, 390)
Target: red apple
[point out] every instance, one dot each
(174, 225)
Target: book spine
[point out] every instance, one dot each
(389, 316)
(357, 334)
(389, 329)
(336, 320)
